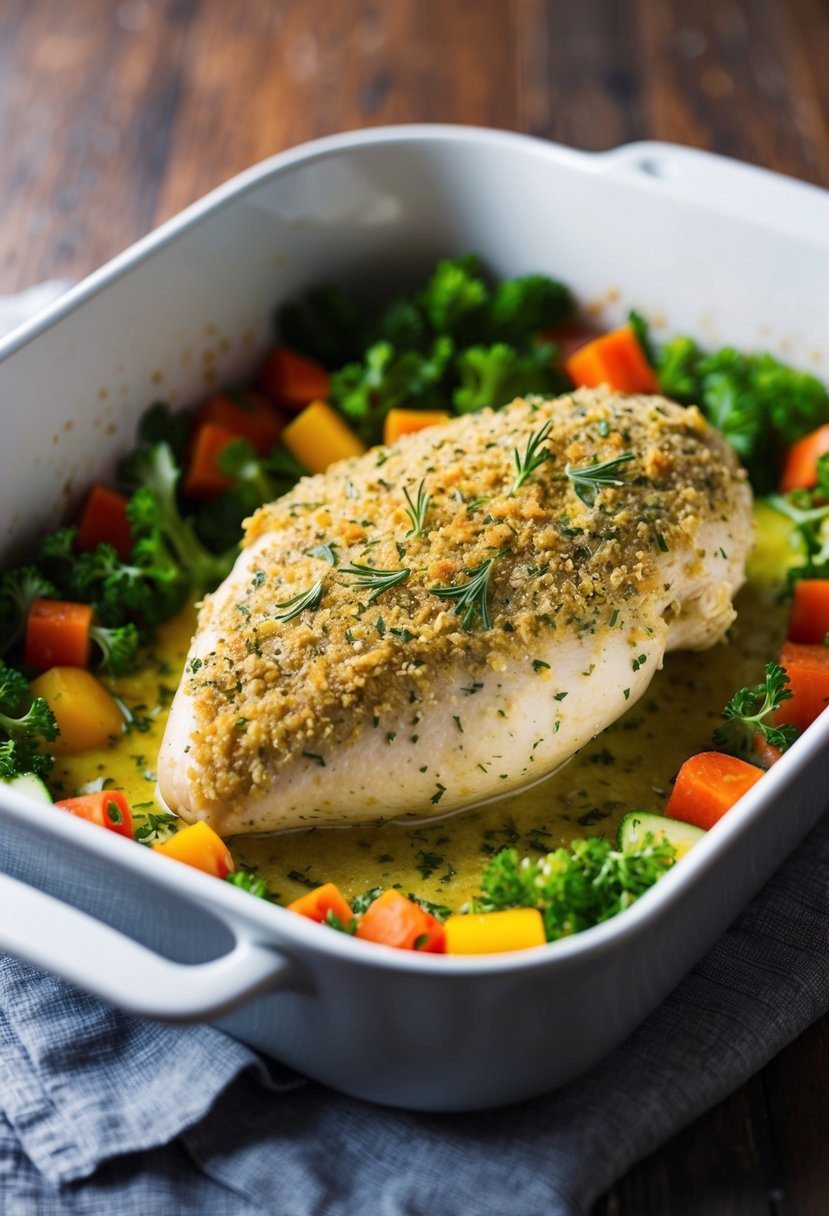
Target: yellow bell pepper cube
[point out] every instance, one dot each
(86, 714)
(319, 436)
(494, 932)
(199, 846)
(405, 422)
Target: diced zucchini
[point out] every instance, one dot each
(30, 785)
(775, 547)
(637, 824)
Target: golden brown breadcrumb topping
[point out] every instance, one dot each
(314, 645)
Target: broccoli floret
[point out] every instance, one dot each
(403, 325)
(258, 480)
(146, 589)
(27, 723)
(677, 363)
(18, 590)
(325, 326)
(495, 375)
(60, 545)
(520, 308)
(119, 647)
(456, 296)
(761, 405)
(365, 392)
(164, 539)
(159, 424)
(577, 887)
(252, 883)
(642, 333)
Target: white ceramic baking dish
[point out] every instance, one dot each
(704, 245)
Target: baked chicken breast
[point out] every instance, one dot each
(437, 623)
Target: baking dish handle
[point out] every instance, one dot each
(746, 191)
(59, 938)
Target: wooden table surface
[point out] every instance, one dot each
(114, 115)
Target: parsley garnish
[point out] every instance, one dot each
(252, 883)
(746, 713)
(155, 827)
(577, 887)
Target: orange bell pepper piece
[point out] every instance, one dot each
(103, 520)
(57, 634)
(615, 359)
(800, 468)
(405, 422)
(318, 903)
(292, 380)
(200, 847)
(249, 415)
(204, 479)
(393, 920)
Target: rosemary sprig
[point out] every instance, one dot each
(298, 603)
(589, 479)
(375, 581)
(532, 459)
(417, 510)
(471, 596)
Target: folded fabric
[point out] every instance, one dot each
(105, 1113)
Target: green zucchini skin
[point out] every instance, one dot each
(637, 824)
(30, 785)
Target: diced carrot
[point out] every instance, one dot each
(570, 337)
(405, 422)
(809, 617)
(292, 380)
(108, 808)
(800, 468)
(204, 478)
(103, 520)
(318, 903)
(708, 785)
(319, 436)
(57, 634)
(249, 415)
(396, 921)
(494, 932)
(86, 714)
(200, 847)
(615, 359)
(808, 670)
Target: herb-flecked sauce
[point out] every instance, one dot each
(631, 765)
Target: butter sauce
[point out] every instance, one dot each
(631, 765)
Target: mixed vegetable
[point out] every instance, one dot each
(84, 613)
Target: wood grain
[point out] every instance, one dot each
(114, 114)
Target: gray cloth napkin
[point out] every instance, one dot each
(103, 1113)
